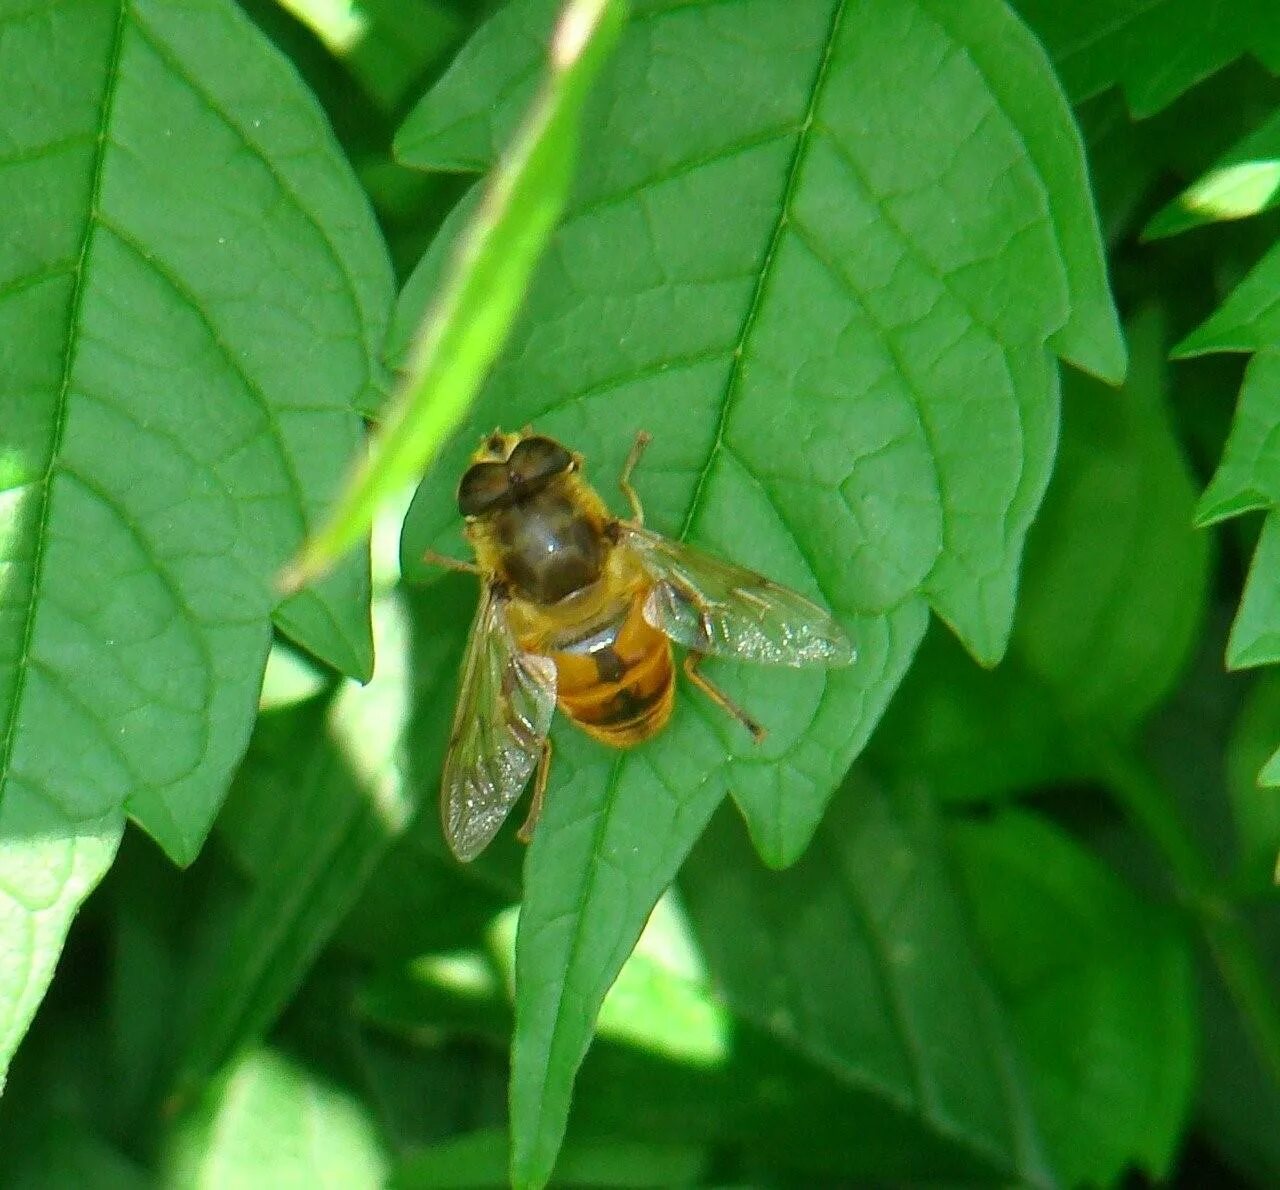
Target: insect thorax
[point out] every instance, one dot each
(547, 547)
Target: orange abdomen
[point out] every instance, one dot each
(619, 687)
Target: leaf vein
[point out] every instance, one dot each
(251, 387)
(110, 85)
(180, 69)
(734, 382)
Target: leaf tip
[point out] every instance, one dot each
(1221, 502)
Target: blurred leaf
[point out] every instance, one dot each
(459, 125)
(1122, 164)
(1255, 800)
(1155, 49)
(800, 285)
(194, 294)
(1112, 603)
(857, 959)
(68, 1154)
(272, 1124)
(466, 325)
(481, 1160)
(1239, 1098)
(400, 43)
(317, 803)
(1100, 985)
(1245, 181)
(972, 734)
(1116, 578)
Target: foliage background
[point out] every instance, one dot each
(858, 268)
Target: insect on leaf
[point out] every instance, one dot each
(831, 283)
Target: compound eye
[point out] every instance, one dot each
(535, 460)
(484, 487)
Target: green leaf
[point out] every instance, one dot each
(459, 125)
(1255, 800)
(319, 800)
(811, 295)
(1112, 602)
(1245, 181)
(273, 1124)
(857, 959)
(1154, 49)
(1102, 992)
(466, 325)
(192, 292)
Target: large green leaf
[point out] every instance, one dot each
(830, 281)
(192, 293)
(1103, 1003)
(1155, 49)
(857, 959)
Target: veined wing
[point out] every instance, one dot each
(713, 606)
(499, 728)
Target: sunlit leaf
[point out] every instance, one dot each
(271, 1122)
(1245, 181)
(192, 296)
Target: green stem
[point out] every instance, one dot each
(1152, 808)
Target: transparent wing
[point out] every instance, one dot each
(504, 713)
(713, 606)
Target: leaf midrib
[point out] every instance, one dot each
(732, 386)
(60, 413)
(734, 382)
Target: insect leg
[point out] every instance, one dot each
(525, 833)
(643, 438)
(718, 696)
(431, 558)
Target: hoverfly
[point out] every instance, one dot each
(578, 608)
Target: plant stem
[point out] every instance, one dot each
(1152, 808)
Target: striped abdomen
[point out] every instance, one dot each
(617, 684)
